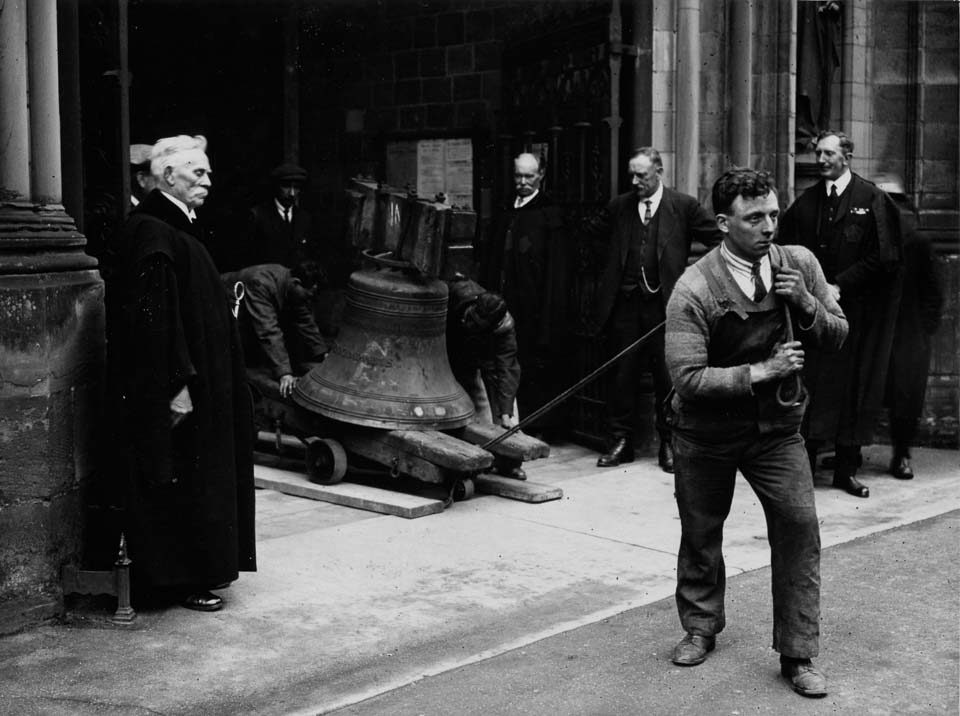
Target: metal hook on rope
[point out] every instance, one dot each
(238, 293)
(790, 389)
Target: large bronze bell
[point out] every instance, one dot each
(388, 367)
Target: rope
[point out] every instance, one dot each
(789, 389)
(572, 389)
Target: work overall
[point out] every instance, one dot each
(759, 436)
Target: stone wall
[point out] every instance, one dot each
(51, 365)
(911, 96)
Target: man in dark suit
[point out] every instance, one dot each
(533, 276)
(853, 228)
(279, 231)
(280, 338)
(652, 232)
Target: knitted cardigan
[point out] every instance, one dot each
(694, 310)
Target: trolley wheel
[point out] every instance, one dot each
(326, 461)
(463, 489)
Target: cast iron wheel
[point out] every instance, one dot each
(463, 489)
(326, 461)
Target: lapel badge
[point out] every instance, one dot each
(861, 210)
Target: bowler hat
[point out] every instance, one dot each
(288, 171)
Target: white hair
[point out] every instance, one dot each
(165, 151)
(528, 156)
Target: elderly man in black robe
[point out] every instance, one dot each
(532, 271)
(184, 415)
(853, 228)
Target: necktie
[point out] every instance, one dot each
(759, 290)
(834, 201)
(648, 213)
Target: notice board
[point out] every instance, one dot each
(433, 166)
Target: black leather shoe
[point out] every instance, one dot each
(900, 468)
(851, 484)
(666, 456)
(805, 678)
(622, 451)
(203, 602)
(693, 650)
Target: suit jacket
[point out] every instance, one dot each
(270, 240)
(870, 223)
(685, 230)
(278, 330)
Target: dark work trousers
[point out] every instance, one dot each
(634, 314)
(776, 467)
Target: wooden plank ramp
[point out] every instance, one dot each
(362, 497)
(524, 491)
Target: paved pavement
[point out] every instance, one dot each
(350, 606)
(889, 646)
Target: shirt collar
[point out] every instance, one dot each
(281, 208)
(654, 200)
(739, 265)
(524, 200)
(841, 181)
(190, 213)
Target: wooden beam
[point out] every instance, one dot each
(396, 460)
(517, 489)
(433, 446)
(361, 497)
(518, 446)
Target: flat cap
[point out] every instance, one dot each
(288, 171)
(140, 153)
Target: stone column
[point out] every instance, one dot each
(51, 329)
(688, 97)
(14, 120)
(856, 86)
(741, 82)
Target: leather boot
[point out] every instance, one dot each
(900, 464)
(844, 475)
(622, 451)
